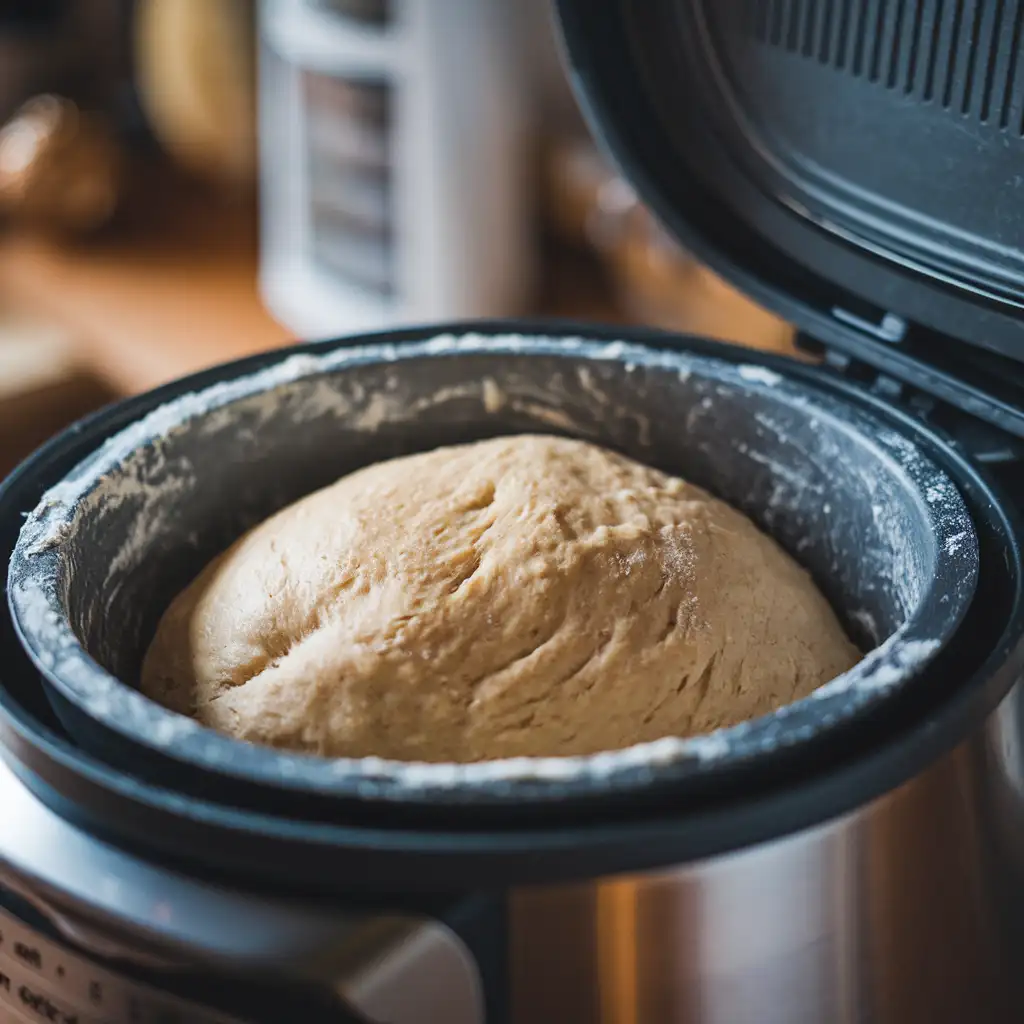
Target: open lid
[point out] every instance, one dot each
(855, 165)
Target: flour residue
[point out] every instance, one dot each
(760, 375)
(893, 662)
(954, 543)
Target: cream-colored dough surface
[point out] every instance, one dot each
(521, 596)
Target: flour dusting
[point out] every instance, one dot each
(760, 375)
(953, 543)
(138, 469)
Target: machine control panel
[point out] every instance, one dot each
(42, 982)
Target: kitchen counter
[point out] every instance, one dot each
(176, 292)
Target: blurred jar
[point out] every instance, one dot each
(194, 63)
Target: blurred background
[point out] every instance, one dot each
(183, 182)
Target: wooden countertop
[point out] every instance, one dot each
(175, 294)
(177, 291)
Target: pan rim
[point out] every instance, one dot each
(44, 629)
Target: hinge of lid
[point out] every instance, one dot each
(897, 355)
(889, 327)
(985, 426)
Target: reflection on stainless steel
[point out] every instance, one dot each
(388, 968)
(107, 899)
(399, 971)
(909, 911)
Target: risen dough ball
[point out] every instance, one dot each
(519, 596)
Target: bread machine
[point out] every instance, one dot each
(858, 856)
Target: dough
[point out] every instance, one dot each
(520, 596)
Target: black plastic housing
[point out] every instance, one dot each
(855, 166)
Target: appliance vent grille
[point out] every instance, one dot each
(961, 55)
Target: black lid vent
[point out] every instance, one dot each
(831, 157)
(960, 55)
(905, 141)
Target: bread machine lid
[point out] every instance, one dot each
(856, 166)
